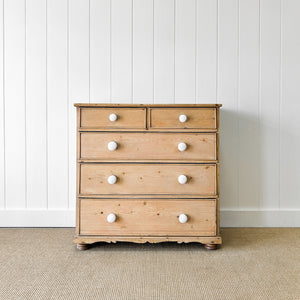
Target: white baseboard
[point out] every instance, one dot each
(260, 218)
(228, 218)
(37, 218)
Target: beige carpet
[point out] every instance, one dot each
(253, 263)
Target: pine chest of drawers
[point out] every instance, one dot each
(147, 173)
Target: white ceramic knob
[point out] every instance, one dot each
(182, 146)
(182, 118)
(112, 179)
(183, 218)
(182, 179)
(111, 218)
(113, 117)
(112, 146)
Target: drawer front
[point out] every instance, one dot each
(148, 217)
(148, 179)
(189, 118)
(113, 118)
(147, 146)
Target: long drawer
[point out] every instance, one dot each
(147, 146)
(125, 178)
(148, 217)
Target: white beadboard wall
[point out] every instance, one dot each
(244, 54)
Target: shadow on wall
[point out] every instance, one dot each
(242, 152)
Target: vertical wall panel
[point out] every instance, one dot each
(2, 115)
(79, 55)
(270, 102)
(228, 96)
(36, 130)
(185, 51)
(121, 50)
(100, 51)
(14, 47)
(206, 61)
(79, 76)
(290, 106)
(249, 147)
(57, 103)
(164, 12)
(142, 51)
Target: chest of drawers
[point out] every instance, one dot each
(147, 173)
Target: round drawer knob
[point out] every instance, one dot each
(113, 117)
(112, 146)
(182, 146)
(182, 218)
(111, 218)
(182, 179)
(182, 118)
(112, 179)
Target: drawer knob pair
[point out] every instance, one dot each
(111, 218)
(112, 146)
(113, 117)
(112, 179)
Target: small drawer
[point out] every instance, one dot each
(183, 118)
(92, 117)
(148, 217)
(148, 146)
(143, 178)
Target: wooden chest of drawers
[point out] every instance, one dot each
(147, 173)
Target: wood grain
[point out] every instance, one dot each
(148, 179)
(148, 217)
(147, 197)
(148, 146)
(89, 239)
(127, 118)
(169, 118)
(113, 105)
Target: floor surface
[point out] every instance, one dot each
(253, 263)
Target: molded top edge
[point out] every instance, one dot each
(143, 105)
